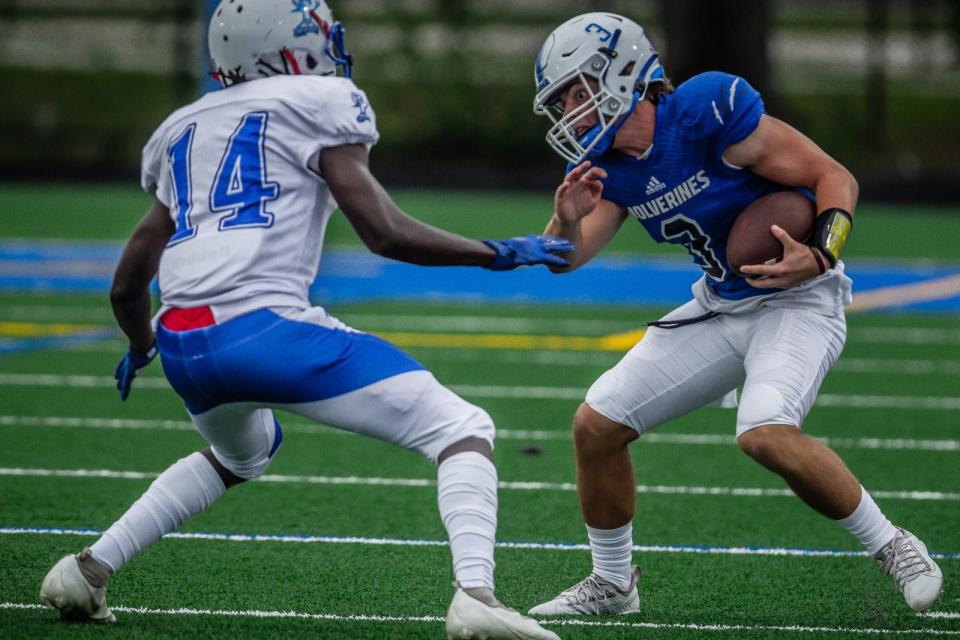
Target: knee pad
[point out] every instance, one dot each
(763, 404)
(470, 422)
(480, 425)
(251, 465)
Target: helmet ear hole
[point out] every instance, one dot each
(311, 62)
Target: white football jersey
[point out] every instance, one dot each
(238, 170)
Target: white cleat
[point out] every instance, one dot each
(66, 590)
(917, 576)
(478, 615)
(593, 596)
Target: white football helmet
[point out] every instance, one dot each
(252, 39)
(612, 50)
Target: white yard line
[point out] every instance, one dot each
(900, 367)
(938, 403)
(730, 440)
(709, 439)
(904, 335)
(875, 366)
(97, 423)
(77, 381)
(520, 392)
(941, 403)
(501, 544)
(743, 492)
(562, 622)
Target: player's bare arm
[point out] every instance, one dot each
(582, 216)
(130, 291)
(384, 228)
(780, 153)
(387, 231)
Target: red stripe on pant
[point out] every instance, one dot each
(187, 319)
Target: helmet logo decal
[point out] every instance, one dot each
(361, 104)
(593, 27)
(310, 22)
(538, 71)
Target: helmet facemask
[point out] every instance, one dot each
(610, 111)
(608, 50)
(337, 51)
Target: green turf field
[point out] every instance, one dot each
(339, 514)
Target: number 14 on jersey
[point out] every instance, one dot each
(240, 187)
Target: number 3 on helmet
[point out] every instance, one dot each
(608, 48)
(252, 39)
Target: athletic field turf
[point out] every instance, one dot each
(342, 538)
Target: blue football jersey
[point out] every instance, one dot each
(683, 192)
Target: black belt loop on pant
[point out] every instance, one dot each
(674, 324)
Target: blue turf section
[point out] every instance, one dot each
(348, 275)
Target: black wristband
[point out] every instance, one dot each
(821, 265)
(833, 227)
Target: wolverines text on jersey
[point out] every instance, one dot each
(683, 191)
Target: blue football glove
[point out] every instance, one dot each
(128, 367)
(527, 250)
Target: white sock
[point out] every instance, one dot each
(869, 524)
(612, 551)
(467, 497)
(185, 489)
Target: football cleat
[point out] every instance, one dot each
(475, 614)
(66, 590)
(917, 576)
(593, 596)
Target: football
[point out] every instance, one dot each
(750, 240)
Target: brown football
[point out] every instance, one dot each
(750, 240)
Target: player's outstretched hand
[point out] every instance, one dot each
(527, 250)
(579, 193)
(798, 264)
(128, 367)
